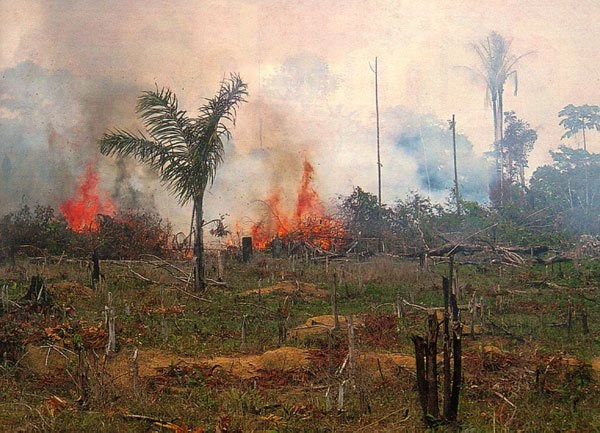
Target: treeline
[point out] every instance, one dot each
(561, 203)
(40, 231)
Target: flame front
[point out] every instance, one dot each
(308, 222)
(81, 211)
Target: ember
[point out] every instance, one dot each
(308, 222)
(81, 210)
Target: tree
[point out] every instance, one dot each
(579, 118)
(361, 213)
(185, 152)
(519, 139)
(570, 189)
(497, 66)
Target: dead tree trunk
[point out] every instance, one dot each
(109, 317)
(447, 347)
(433, 410)
(336, 320)
(38, 294)
(95, 268)
(422, 385)
(426, 362)
(246, 249)
(457, 370)
(82, 376)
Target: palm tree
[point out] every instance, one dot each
(497, 66)
(185, 152)
(579, 118)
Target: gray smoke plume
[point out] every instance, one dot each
(50, 123)
(427, 143)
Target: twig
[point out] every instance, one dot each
(506, 331)
(191, 295)
(216, 283)
(141, 277)
(504, 398)
(406, 417)
(145, 418)
(418, 307)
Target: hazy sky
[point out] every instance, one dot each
(310, 82)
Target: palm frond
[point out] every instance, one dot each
(124, 143)
(162, 117)
(185, 153)
(224, 104)
(207, 153)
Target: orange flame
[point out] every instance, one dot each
(81, 211)
(308, 222)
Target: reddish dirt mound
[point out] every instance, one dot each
(386, 364)
(321, 325)
(242, 366)
(596, 368)
(68, 293)
(290, 288)
(247, 366)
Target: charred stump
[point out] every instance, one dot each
(452, 406)
(426, 362)
(95, 268)
(276, 248)
(246, 249)
(37, 293)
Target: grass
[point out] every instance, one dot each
(164, 322)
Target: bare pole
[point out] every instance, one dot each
(378, 148)
(379, 216)
(456, 192)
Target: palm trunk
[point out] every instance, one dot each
(501, 128)
(498, 181)
(199, 283)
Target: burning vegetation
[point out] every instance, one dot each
(306, 222)
(81, 210)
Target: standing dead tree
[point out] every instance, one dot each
(426, 349)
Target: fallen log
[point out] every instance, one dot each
(553, 259)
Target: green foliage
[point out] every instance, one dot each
(362, 214)
(38, 229)
(184, 151)
(416, 224)
(128, 234)
(519, 139)
(569, 189)
(579, 118)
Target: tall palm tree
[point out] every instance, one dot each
(185, 152)
(497, 66)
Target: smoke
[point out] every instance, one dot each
(51, 121)
(427, 143)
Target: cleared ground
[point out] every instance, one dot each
(262, 354)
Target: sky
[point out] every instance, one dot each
(73, 70)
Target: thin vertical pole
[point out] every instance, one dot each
(456, 192)
(378, 151)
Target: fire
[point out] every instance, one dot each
(308, 221)
(81, 210)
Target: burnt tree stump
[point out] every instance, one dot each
(95, 268)
(246, 249)
(37, 293)
(426, 362)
